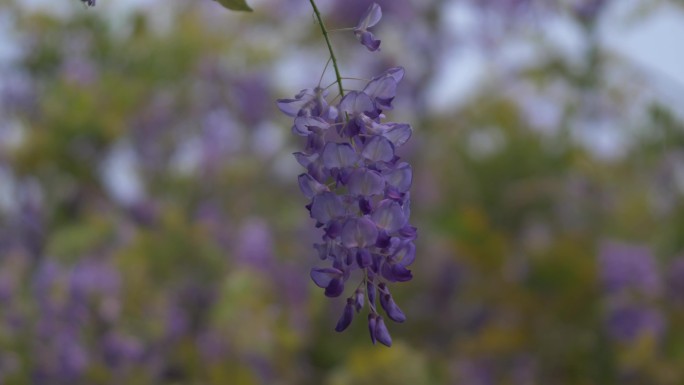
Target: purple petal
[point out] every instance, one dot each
(309, 186)
(371, 326)
(370, 290)
(365, 206)
(395, 272)
(399, 134)
(314, 142)
(335, 288)
(408, 232)
(386, 272)
(323, 250)
(359, 232)
(305, 125)
(333, 228)
(382, 89)
(326, 206)
(363, 258)
(393, 311)
(378, 149)
(338, 155)
(304, 159)
(368, 40)
(401, 177)
(365, 182)
(396, 73)
(381, 332)
(389, 216)
(405, 254)
(346, 318)
(407, 205)
(401, 274)
(313, 165)
(323, 276)
(371, 17)
(292, 107)
(358, 300)
(383, 240)
(356, 103)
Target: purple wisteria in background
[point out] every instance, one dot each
(631, 281)
(359, 190)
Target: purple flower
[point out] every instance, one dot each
(331, 279)
(372, 321)
(628, 268)
(381, 333)
(393, 311)
(256, 245)
(347, 316)
(119, 350)
(369, 19)
(358, 189)
(675, 280)
(359, 194)
(627, 323)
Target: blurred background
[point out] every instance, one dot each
(152, 230)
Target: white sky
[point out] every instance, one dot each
(654, 44)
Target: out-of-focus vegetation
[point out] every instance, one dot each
(152, 231)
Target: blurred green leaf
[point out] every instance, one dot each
(235, 5)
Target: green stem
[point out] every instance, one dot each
(327, 41)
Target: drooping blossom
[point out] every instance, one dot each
(626, 323)
(628, 268)
(369, 19)
(359, 194)
(630, 281)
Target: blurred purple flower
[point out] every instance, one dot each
(475, 372)
(78, 70)
(93, 277)
(255, 245)
(211, 345)
(7, 287)
(18, 94)
(675, 280)
(628, 268)
(144, 212)
(251, 92)
(589, 10)
(626, 323)
(221, 137)
(119, 350)
(177, 322)
(30, 220)
(47, 274)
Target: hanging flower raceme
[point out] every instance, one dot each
(359, 191)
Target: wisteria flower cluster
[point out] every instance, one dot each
(359, 192)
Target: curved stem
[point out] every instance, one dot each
(327, 41)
